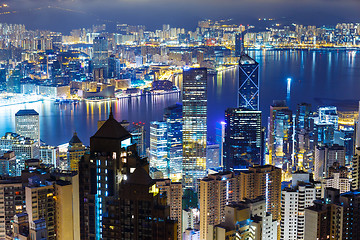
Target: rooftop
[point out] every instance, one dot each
(26, 112)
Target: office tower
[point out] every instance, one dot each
(173, 192)
(280, 135)
(100, 57)
(112, 72)
(324, 134)
(12, 202)
(215, 192)
(173, 119)
(101, 170)
(40, 205)
(243, 141)
(325, 157)
(137, 131)
(303, 144)
(248, 83)
(293, 203)
(262, 181)
(220, 138)
(75, 152)
(347, 139)
(49, 155)
(158, 147)
(27, 124)
(245, 220)
(8, 164)
(355, 174)
(328, 114)
(194, 125)
(212, 156)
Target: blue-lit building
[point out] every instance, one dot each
(173, 119)
(280, 135)
(158, 147)
(100, 57)
(110, 161)
(324, 133)
(194, 125)
(248, 83)
(219, 139)
(243, 139)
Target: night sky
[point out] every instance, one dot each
(64, 15)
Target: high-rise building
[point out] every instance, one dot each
(137, 131)
(325, 157)
(12, 202)
(8, 164)
(27, 124)
(280, 135)
(212, 156)
(239, 44)
(293, 203)
(24, 148)
(75, 152)
(324, 133)
(40, 205)
(100, 57)
(350, 201)
(243, 140)
(158, 147)
(49, 155)
(323, 221)
(355, 174)
(110, 159)
(245, 220)
(303, 141)
(194, 125)
(173, 119)
(248, 83)
(328, 114)
(262, 181)
(220, 138)
(174, 192)
(215, 192)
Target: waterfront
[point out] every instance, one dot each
(318, 77)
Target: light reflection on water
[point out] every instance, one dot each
(315, 74)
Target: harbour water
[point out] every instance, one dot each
(317, 76)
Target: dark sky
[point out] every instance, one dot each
(64, 15)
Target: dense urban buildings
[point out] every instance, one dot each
(172, 175)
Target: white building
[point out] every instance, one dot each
(293, 203)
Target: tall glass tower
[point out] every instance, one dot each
(100, 59)
(243, 139)
(195, 125)
(248, 83)
(27, 124)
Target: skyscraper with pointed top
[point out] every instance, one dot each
(248, 92)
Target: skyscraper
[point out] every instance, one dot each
(100, 59)
(158, 147)
(194, 125)
(243, 141)
(173, 119)
(280, 135)
(27, 124)
(110, 159)
(248, 83)
(75, 152)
